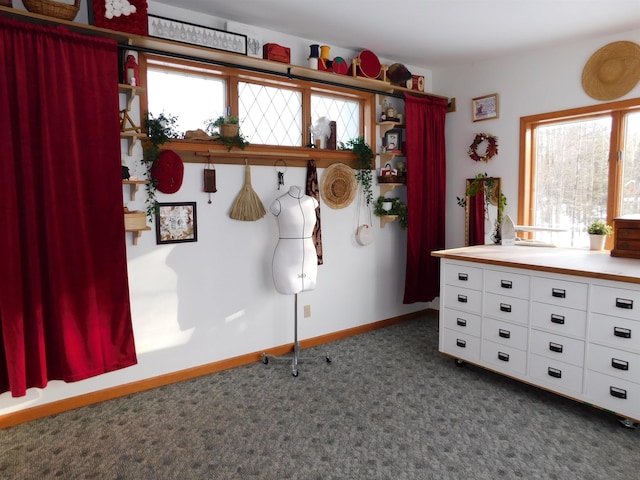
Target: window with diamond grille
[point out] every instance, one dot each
(346, 114)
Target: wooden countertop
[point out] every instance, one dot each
(568, 261)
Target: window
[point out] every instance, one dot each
(578, 166)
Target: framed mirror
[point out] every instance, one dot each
(483, 210)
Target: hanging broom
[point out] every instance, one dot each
(248, 206)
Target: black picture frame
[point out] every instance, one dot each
(392, 141)
(176, 222)
(184, 32)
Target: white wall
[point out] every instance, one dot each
(539, 81)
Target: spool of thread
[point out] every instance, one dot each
(315, 51)
(324, 52)
(313, 62)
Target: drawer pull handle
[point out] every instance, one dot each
(505, 307)
(624, 303)
(506, 283)
(554, 372)
(461, 321)
(618, 392)
(462, 298)
(622, 332)
(555, 347)
(461, 343)
(559, 319)
(558, 292)
(504, 333)
(503, 356)
(463, 277)
(619, 364)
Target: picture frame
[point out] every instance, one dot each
(184, 32)
(176, 223)
(484, 108)
(393, 140)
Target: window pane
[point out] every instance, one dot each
(346, 114)
(191, 97)
(270, 115)
(571, 179)
(630, 202)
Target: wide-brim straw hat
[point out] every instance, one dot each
(338, 185)
(612, 71)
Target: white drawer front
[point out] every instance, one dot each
(507, 308)
(558, 375)
(461, 321)
(463, 299)
(505, 333)
(503, 358)
(560, 292)
(557, 348)
(616, 301)
(508, 284)
(617, 363)
(463, 276)
(567, 321)
(460, 345)
(614, 331)
(614, 394)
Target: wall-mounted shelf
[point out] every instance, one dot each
(136, 234)
(388, 187)
(130, 91)
(384, 219)
(134, 185)
(132, 138)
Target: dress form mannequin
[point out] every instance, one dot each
(295, 261)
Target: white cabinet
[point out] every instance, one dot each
(576, 335)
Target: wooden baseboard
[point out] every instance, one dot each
(67, 404)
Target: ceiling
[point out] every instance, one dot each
(430, 33)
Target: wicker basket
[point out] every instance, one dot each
(229, 129)
(135, 220)
(6, 3)
(53, 9)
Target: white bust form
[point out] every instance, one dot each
(295, 262)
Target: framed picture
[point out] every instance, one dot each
(484, 108)
(176, 223)
(393, 140)
(184, 32)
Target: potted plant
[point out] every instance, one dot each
(227, 130)
(598, 231)
(398, 209)
(364, 173)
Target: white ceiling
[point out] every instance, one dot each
(430, 33)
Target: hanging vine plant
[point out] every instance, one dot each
(364, 173)
(491, 150)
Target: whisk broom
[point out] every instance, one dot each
(247, 206)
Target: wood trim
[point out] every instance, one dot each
(28, 414)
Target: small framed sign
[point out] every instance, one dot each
(484, 108)
(176, 223)
(393, 140)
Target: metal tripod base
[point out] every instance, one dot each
(295, 356)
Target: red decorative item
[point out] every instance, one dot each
(417, 83)
(168, 170)
(490, 152)
(128, 16)
(131, 71)
(367, 64)
(278, 53)
(340, 66)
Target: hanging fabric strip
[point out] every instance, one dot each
(313, 190)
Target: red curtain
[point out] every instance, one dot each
(476, 219)
(64, 294)
(426, 185)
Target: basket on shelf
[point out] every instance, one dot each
(6, 3)
(53, 9)
(229, 129)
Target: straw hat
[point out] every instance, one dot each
(612, 71)
(338, 185)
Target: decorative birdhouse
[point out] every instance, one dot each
(131, 70)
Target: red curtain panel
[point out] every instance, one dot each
(476, 219)
(426, 188)
(64, 294)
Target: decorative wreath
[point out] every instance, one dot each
(490, 152)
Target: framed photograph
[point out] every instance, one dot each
(484, 108)
(393, 140)
(176, 223)
(184, 32)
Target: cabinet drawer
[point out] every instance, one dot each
(460, 345)
(506, 359)
(505, 333)
(558, 348)
(617, 363)
(561, 376)
(506, 283)
(463, 299)
(614, 394)
(560, 292)
(567, 321)
(507, 308)
(615, 332)
(461, 321)
(616, 301)
(463, 276)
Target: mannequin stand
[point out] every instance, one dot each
(295, 358)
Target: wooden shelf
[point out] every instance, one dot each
(132, 138)
(134, 185)
(384, 219)
(130, 91)
(387, 187)
(137, 233)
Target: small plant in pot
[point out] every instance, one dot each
(227, 130)
(598, 230)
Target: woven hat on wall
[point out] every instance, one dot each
(338, 185)
(612, 71)
(168, 170)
